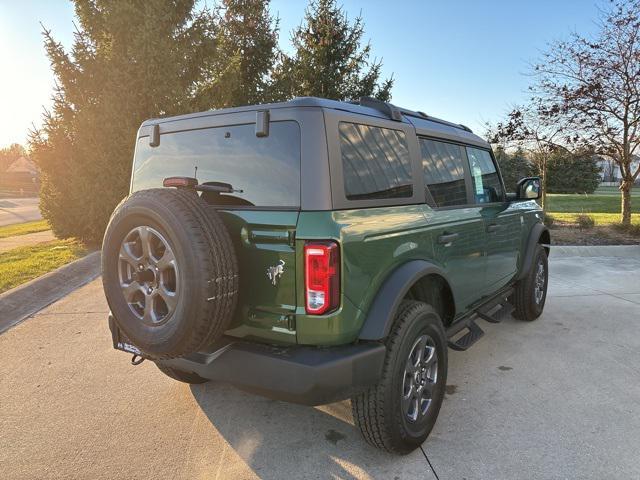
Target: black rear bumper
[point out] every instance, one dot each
(298, 374)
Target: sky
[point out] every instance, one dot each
(462, 60)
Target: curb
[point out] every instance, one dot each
(23, 301)
(626, 251)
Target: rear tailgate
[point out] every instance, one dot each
(265, 246)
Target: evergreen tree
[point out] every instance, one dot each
(247, 48)
(573, 173)
(129, 61)
(513, 166)
(329, 60)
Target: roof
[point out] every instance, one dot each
(22, 165)
(364, 106)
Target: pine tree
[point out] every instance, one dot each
(329, 60)
(247, 48)
(129, 61)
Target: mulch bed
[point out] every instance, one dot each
(564, 233)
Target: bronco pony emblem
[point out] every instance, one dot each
(275, 272)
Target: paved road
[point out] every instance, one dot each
(557, 398)
(18, 210)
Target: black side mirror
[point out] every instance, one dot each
(529, 188)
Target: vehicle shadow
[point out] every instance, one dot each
(280, 440)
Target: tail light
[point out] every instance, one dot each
(321, 277)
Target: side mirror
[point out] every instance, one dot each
(529, 189)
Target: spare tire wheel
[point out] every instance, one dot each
(169, 272)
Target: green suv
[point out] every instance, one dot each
(314, 250)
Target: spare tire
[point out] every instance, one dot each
(169, 272)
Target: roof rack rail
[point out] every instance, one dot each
(384, 107)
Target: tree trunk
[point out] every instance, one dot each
(625, 188)
(543, 200)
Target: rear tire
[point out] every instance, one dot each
(530, 292)
(395, 415)
(181, 376)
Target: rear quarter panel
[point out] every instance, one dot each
(373, 243)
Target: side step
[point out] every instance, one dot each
(473, 334)
(496, 314)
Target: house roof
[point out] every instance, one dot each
(23, 165)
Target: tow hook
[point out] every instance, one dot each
(136, 359)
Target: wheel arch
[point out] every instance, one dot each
(539, 234)
(418, 280)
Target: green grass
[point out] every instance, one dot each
(635, 192)
(588, 203)
(22, 264)
(599, 218)
(24, 228)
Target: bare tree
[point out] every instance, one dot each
(593, 85)
(532, 130)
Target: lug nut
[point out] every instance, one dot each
(140, 267)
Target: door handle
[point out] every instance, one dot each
(447, 238)
(493, 227)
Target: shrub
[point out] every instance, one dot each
(585, 222)
(633, 229)
(549, 220)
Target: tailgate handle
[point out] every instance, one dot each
(493, 227)
(447, 238)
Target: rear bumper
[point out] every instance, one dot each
(298, 374)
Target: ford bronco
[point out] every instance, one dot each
(314, 251)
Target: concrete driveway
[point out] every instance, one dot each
(18, 210)
(557, 398)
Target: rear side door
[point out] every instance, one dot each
(456, 222)
(502, 223)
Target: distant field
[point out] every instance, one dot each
(24, 228)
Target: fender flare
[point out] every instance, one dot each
(382, 310)
(534, 238)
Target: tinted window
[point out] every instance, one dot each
(375, 162)
(266, 169)
(443, 167)
(486, 182)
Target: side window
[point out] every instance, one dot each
(375, 162)
(443, 167)
(487, 187)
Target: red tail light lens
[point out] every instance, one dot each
(321, 277)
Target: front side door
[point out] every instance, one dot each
(502, 223)
(455, 222)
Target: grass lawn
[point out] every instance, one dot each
(24, 228)
(635, 192)
(596, 203)
(22, 264)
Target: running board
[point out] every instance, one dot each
(497, 313)
(474, 333)
(498, 310)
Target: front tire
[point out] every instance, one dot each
(398, 413)
(530, 293)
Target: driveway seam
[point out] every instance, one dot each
(427, 459)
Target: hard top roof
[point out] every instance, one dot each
(366, 106)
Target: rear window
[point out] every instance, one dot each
(265, 169)
(375, 162)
